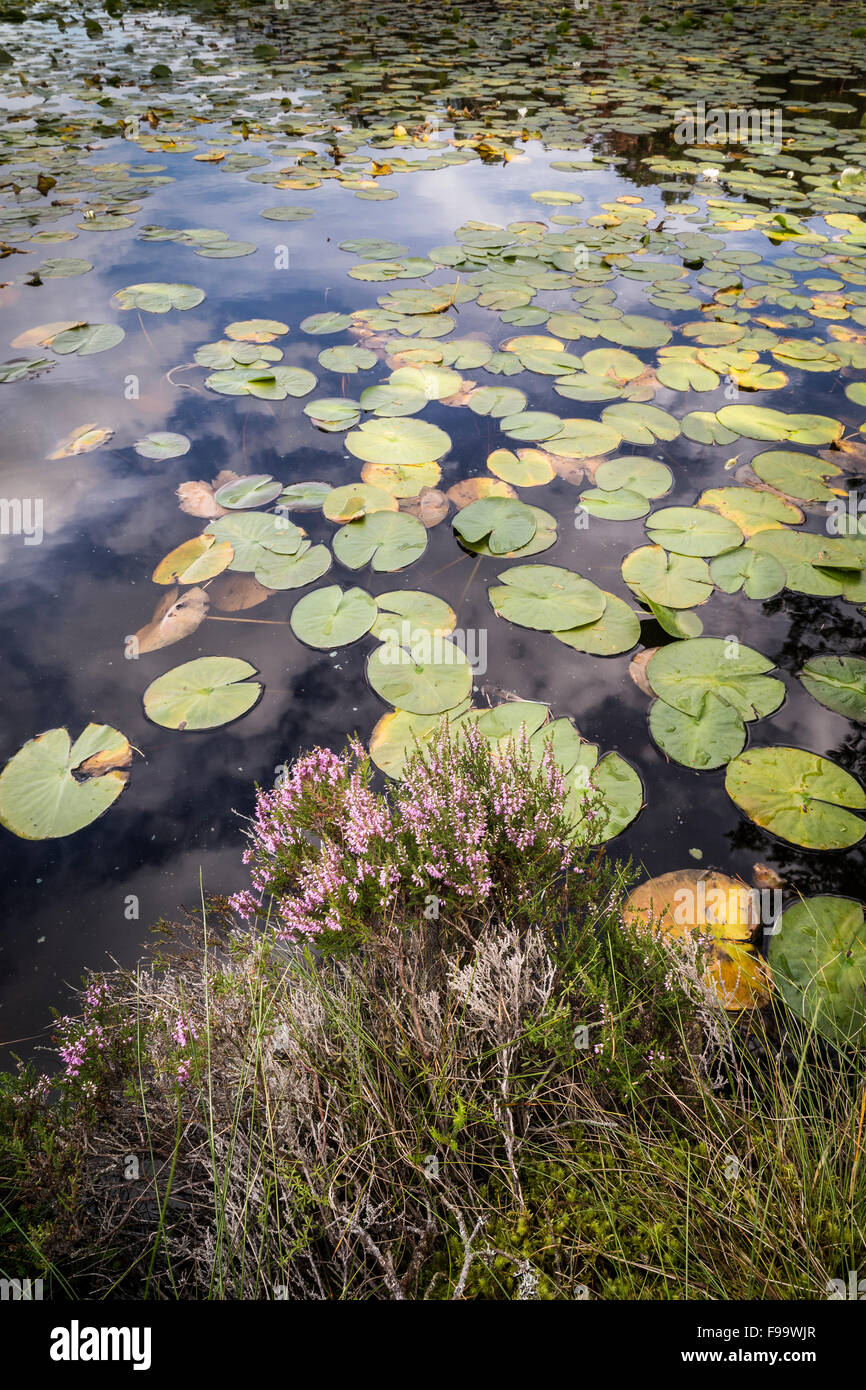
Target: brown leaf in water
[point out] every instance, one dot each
(197, 499)
(574, 471)
(107, 760)
(764, 876)
(461, 397)
(232, 592)
(430, 506)
(471, 489)
(177, 615)
(637, 670)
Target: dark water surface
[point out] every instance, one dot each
(67, 605)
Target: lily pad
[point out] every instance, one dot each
(398, 441)
(162, 445)
(798, 796)
(387, 540)
(703, 741)
(818, 959)
(333, 617)
(546, 598)
(676, 581)
(503, 523)
(686, 674)
(839, 682)
(158, 298)
(202, 694)
(693, 531)
(420, 687)
(53, 787)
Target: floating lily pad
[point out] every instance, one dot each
(53, 787)
(707, 740)
(526, 468)
(798, 796)
(676, 581)
(202, 694)
(162, 445)
(398, 441)
(255, 490)
(158, 298)
(546, 598)
(798, 475)
(616, 631)
(818, 959)
(504, 524)
(387, 540)
(404, 613)
(686, 674)
(759, 576)
(839, 682)
(420, 687)
(693, 531)
(333, 617)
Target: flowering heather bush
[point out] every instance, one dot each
(471, 827)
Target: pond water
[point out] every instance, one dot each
(749, 258)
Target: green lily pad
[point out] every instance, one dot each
(404, 613)
(693, 531)
(158, 298)
(53, 787)
(420, 687)
(797, 475)
(704, 741)
(645, 476)
(202, 694)
(502, 522)
(761, 422)
(641, 424)
(387, 540)
(704, 427)
(293, 571)
(616, 631)
(333, 413)
(616, 504)
(759, 576)
(546, 598)
(252, 534)
(839, 682)
(88, 338)
(162, 445)
(676, 581)
(305, 497)
(818, 958)
(398, 441)
(686, 674)
(332, 617)
(348, 359)
(256, 490)
(798, 796)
